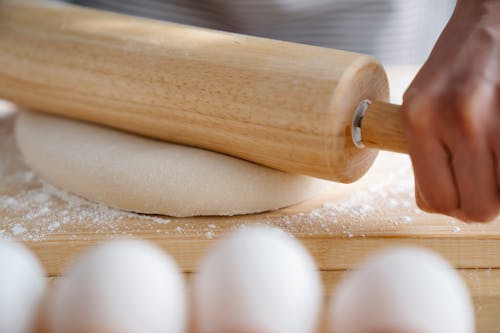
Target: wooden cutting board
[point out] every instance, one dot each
(340, 227)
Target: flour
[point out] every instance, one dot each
(18, 229)
(350, 215)
(42, 204)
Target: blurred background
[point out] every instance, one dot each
(397, 32)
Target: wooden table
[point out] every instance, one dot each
(340, 227)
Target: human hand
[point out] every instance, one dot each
(451, 116)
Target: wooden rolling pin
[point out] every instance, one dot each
(284, 105)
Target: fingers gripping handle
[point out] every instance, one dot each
(378, 125)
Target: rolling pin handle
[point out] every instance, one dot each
(377, 125)
(357, 119)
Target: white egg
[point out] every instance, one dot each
(402, 290)
(258, 280)
(22, 287)
(124, 286)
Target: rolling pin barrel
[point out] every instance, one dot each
(284, 105)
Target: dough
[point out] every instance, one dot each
(148, 176)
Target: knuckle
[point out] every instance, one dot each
(465, 111)
(487, 34)
(460, 114)
(419, 114)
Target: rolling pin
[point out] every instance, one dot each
(297, 108)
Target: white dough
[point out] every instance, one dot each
(402, 290)
(22, 287)
(123, 286)
(259, 279)
(148, 176)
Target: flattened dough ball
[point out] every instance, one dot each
(148, 176)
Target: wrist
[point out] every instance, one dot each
(478, 15)
(475, 2)
(492, 13)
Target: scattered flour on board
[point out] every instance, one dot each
(37, 210)
(43, 203)
(377, 200)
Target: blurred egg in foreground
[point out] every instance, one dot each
(402, 290)
(123, 286)
(22, 288)
(259, 279)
